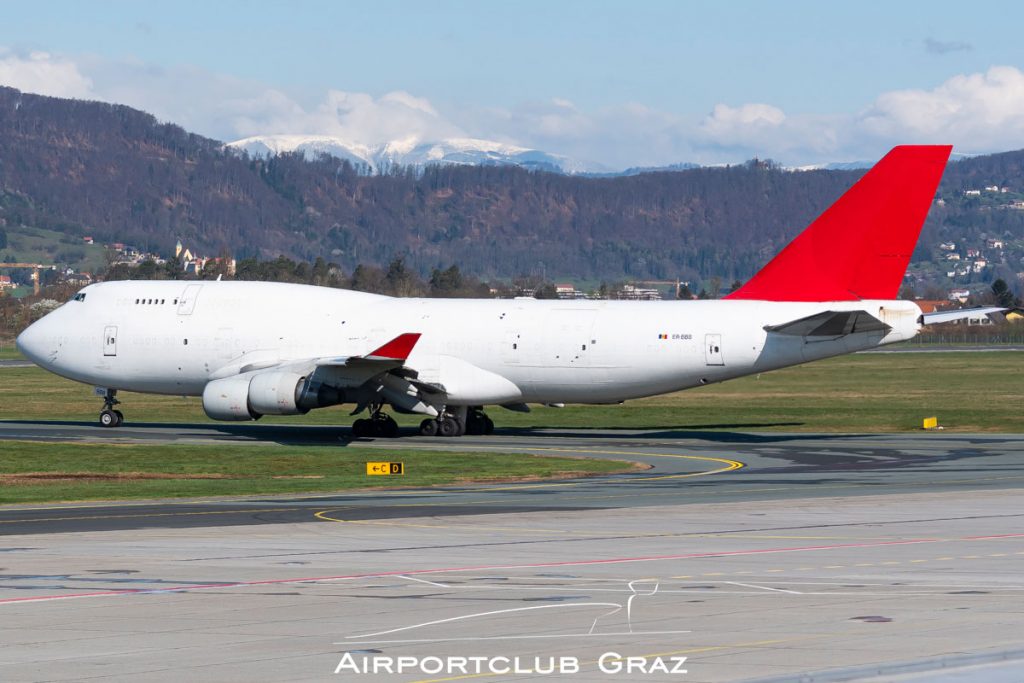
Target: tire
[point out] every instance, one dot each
(475, 423)
(108, 418)
(389, 428)
(361, 428)
(120, 417)
(448, 427)
(488, 426)
(428, 428)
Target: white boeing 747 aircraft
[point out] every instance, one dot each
(258, 348)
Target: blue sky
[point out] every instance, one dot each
(620, 83)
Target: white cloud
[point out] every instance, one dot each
(223, 106)
(41, 72)
(980, 112)
(725, 120)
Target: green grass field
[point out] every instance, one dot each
(10, 352)
(36, 245)
(967, 391)
(36, 472)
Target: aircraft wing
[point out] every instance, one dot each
(959, 314)
(830, 324)
(393, 354)
(344, 370)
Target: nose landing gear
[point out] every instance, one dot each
(109, 416)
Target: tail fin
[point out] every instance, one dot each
(860, 246)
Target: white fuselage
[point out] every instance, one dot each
(173, 337)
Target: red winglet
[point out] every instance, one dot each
(860, 246)
(398, 348)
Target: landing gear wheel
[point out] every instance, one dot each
(428, 428)
(448, 426)
(477, 423)
(361, 428)
(378, 425)
(110, 418)
(385, 425)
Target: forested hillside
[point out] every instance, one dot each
(118, 174)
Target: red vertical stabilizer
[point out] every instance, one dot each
(860, 247)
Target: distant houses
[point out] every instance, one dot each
(960, 295)
(569, 291)
(194, 264)
(634, 293)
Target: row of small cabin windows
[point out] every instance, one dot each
(153, 301)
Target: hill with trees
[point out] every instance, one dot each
(118, 174)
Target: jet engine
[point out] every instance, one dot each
(249, 397)
(228, 399)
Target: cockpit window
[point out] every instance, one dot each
(79, 297)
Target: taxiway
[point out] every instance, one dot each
(821, 553)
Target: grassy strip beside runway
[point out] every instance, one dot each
(967, 391)
(38, 472)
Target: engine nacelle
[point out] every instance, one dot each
(276, 393)
(228, 399)
(250, 396)
(314, 394)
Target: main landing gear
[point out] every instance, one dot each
(457, 423)
(378, 424)
(454, 421)
(109, 417)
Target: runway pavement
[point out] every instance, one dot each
(848, 553)
(775, 466)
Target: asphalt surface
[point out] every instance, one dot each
(686, 467)
(945, 348)
(839, 557)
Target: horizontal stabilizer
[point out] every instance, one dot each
(959, 314)
(830, 324)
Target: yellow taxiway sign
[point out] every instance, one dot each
(384, 468)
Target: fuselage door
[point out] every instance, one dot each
(713, 349)
(110, 341)
(187, 301)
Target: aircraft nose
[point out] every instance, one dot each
(32, 342)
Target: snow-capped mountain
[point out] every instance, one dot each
(413, 152)
(311, 146)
